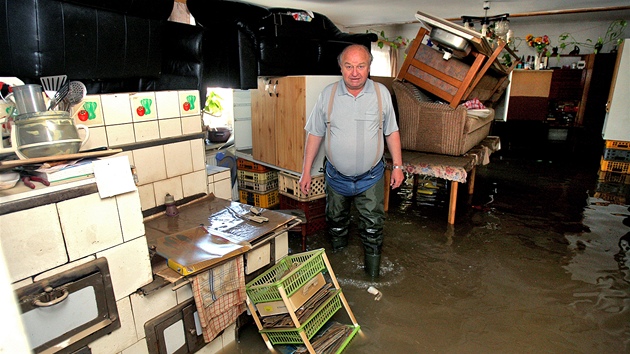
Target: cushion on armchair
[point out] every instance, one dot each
(435, 127)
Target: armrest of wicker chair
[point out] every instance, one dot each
(435, 127)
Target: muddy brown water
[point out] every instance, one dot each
(533, 264)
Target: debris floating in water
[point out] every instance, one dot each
(374, 291)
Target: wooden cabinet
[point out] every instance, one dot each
(280, 108)
(529, 94)
(569, 97)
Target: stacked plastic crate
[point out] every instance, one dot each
(614, 175)
(257, 184)
(313, 204)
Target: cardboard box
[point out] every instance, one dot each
(297, 299)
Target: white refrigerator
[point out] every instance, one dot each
(617, 120)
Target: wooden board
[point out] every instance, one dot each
(38, 160)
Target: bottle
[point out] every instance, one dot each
(171, 208)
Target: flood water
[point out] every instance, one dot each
(534, 263)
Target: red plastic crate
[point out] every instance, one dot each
(312, 209)
(313, 225)
(246, 165)
(310, 227)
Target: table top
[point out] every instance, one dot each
(452, 168)
(207, 232)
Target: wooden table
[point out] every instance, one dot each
(456, 169)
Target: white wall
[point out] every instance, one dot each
(581, 26)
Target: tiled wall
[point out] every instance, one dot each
(143, 119)
(160, 134)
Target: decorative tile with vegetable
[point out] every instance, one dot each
(143, 106)
(189, 103)
(89, 111)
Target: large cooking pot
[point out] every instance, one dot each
(42, 134)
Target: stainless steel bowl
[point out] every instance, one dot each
(449, 40)
(48, 133)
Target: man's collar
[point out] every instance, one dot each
(367, 88)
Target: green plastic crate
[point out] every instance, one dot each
(264, 288)
(309, 327)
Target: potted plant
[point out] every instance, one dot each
(613, 35)
(213, 104)
(214, 107)
(398, 42)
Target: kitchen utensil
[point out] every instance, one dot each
(219, 135)
(29, 99)
(45, 134)
(28, 181)
(59, 96)
(76, 93)
(8, 179)
(52, 84)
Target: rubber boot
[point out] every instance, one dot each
(338, 238)
(373, 265)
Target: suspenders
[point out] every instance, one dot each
(380, 123)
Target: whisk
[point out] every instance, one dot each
(59, 96)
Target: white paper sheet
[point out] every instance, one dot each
(113, 176)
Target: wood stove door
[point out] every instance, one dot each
(65, 312)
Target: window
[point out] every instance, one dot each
(381, 66)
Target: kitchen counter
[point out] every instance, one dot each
(220, 217)
(22, 197)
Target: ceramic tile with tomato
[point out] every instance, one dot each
(189, 104)
(89, 111)
(143, 106)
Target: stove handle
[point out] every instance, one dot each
(49, 294)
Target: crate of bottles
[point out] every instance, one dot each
(263, 200)
(289, 185)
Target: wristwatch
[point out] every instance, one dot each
(401, 167)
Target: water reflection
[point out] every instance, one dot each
(601, 259)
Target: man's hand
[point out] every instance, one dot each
(305, 183)
(398, 177)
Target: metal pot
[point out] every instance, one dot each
(219, 135)
(43, 134)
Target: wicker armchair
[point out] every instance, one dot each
(437, 128)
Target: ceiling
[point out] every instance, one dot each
(361, 13)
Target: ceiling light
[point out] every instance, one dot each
(491, 26)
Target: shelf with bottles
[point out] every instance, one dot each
(562, 112)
